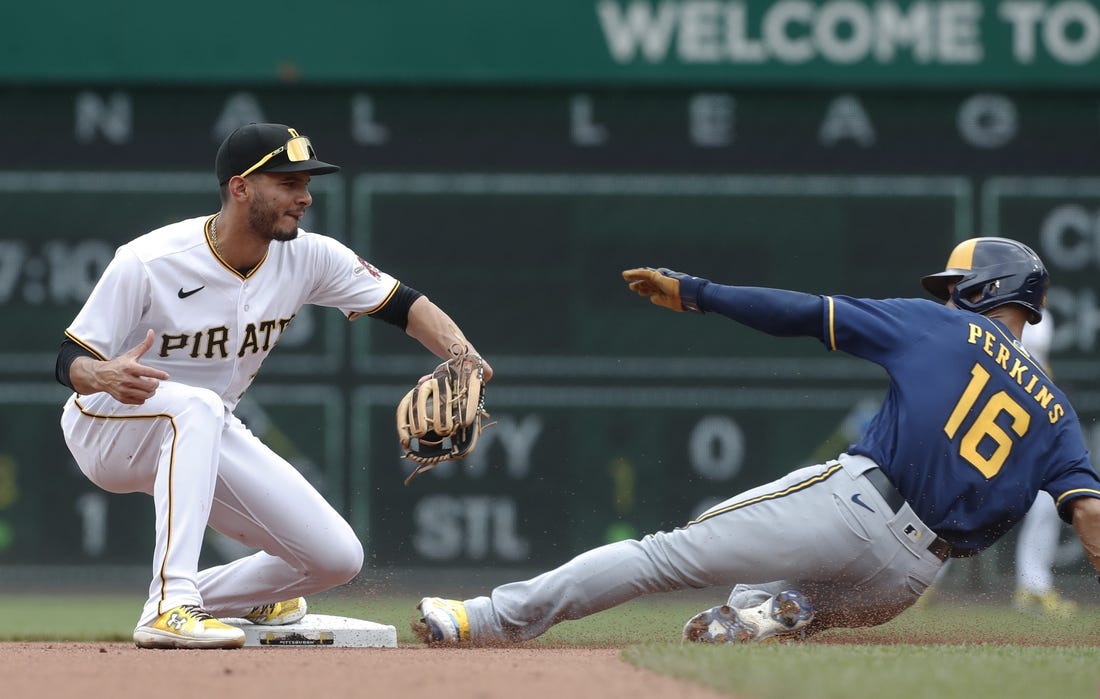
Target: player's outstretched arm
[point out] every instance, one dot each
(125, 378)
(438, 333)
(775, 311)
(1086, 522)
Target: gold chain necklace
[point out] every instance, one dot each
(214, 234)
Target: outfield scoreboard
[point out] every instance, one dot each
(516, 210)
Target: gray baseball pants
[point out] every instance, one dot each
(823, 530)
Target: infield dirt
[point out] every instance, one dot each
(121, 671)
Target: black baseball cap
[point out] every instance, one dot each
(267, 148)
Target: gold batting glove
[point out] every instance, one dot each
(661, 290)
(673, 290)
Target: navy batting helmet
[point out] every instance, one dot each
(990, 272)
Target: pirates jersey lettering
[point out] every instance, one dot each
(213, 342)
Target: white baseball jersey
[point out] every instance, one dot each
(1041, 530)
(214, 325)
(1038, 338)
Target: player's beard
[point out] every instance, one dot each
(264, 218)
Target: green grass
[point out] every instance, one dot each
(947, 651)
(909, 671)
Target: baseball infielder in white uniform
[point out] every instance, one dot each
(1041, 529)
(169, 340)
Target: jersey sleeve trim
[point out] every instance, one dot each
(85, 346)
(1075, 493)
(832, 323)
(380, 306)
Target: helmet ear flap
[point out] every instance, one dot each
(979, 297)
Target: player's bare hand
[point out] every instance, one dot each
(486, 373)
(125, 378)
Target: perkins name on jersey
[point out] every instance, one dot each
(1032, 382)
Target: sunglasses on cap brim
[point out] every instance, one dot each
(297, 149)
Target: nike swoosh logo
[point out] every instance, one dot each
(859, 501)
(184, 294)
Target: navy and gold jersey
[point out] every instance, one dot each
(971, 428)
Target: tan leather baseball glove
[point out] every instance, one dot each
(440, 418)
